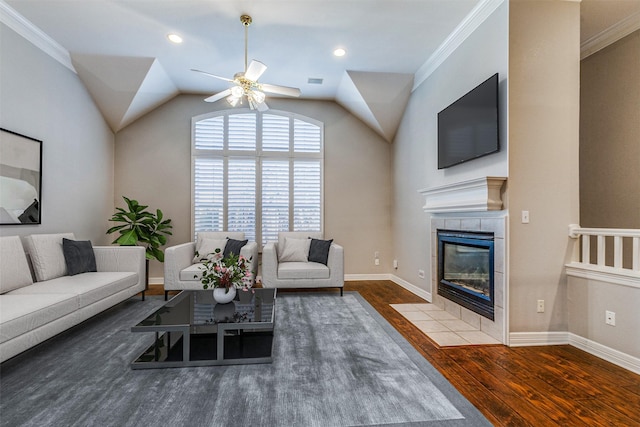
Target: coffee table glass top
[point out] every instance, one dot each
(192, 329)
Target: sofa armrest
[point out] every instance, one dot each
(122, 258)
(269, 263)
(250, 251)
(176, 259)
(336, 264)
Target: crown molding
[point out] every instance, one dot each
(469, 24)
(18, 23)
(610, 35)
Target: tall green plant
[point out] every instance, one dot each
(141, 227)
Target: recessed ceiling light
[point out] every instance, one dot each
(174, 38)
(339, 52)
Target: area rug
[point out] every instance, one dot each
(337, 362)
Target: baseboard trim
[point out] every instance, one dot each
(360, 277)
(606, 353)
(411, 288)
(524, 339)
(156, 280)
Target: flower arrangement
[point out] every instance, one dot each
(232, 271)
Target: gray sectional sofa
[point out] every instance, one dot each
(32, 311)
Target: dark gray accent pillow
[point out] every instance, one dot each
(79, 256)
(319, 251)
(233, 247)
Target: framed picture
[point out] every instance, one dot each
(20, 179)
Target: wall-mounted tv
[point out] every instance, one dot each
(468, 128)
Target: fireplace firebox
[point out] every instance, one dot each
(466, 269)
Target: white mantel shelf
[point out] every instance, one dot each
(476, 195)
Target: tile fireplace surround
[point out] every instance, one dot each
(474, 205)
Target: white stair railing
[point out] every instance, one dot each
(603, 235)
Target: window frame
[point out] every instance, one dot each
(259, 155)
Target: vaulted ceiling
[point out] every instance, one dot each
(120, 51)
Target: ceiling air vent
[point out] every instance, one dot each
(314, 81)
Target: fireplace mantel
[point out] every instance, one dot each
(476, 195)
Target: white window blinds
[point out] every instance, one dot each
(259, 173)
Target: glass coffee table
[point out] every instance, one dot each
(191, 329)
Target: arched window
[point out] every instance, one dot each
(256, 172)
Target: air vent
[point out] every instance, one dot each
(314, 81)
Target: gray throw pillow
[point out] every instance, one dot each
(79, 256)
(233, 247)
(319, 251)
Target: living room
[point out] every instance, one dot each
(372, 196)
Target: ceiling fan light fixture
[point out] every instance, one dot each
(258, 96)
(237, 92)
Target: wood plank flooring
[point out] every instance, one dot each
(524, 386)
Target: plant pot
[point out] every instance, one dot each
(223, 295)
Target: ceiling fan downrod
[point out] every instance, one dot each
(246, 21)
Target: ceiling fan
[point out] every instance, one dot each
(246, 82)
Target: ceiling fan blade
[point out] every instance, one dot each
(212, 75)
(218, 96)
(255, 70)
(262, 107)
(281, 90)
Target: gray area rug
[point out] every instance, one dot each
(337, 362)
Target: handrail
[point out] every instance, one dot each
(618, 234)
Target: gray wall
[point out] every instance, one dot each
(42, 99)
(609, 138)
(483, 54)
(153, 165)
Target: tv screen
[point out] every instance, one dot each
(468, 128)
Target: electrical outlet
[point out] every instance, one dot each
(421, 274)
(540, 306)
(395, 263)
(377, 261)
(610, 318)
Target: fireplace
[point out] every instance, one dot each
(466, 269)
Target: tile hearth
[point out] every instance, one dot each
(441, 326)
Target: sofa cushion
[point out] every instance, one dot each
(319, 251)
(233, 246)
(89, 287)
(46, 255)
(14, 268)
(302, 270)
(206, 246)
(79, 256)
(23, 313)
(295, 250)
(191, 273)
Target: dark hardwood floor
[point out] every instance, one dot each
(524, 386)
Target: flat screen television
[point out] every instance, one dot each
(468, 128)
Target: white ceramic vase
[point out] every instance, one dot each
(222, 296)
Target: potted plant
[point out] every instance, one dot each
(225, 275)
(141, 227)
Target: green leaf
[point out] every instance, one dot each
(129, 238)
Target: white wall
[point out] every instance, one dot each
(42, 99)
(483, 54)
(153, 165)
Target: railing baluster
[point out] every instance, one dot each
(617, 252)
(601, 249)
(586, 249)
(635, 253)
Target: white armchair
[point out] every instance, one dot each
(282, 268)
(182, 273)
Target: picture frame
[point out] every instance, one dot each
(20, 179)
